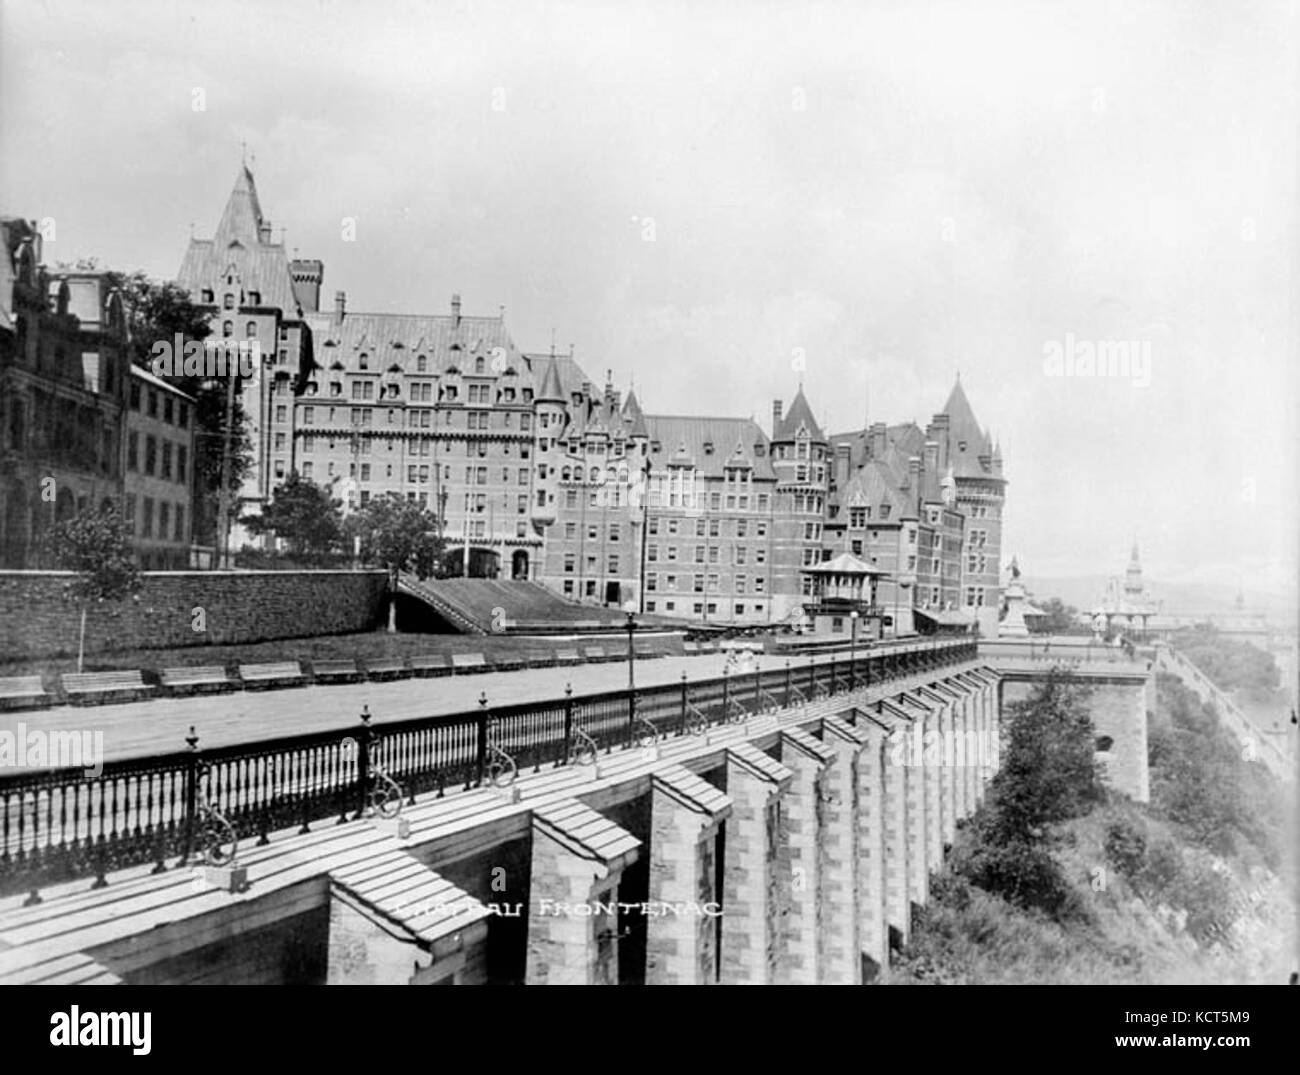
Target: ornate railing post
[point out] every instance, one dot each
(758, 687)
(365, 740)
(726, 693)
(563, 759)
(686, 699)
(787, 683)
(192, 770)
(481, 762)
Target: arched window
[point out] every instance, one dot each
(365, 361)
(565, 473)
(595, 474)
(227, 328)
(422, 364)
(229, 301)
(478, 364)
(250, 329)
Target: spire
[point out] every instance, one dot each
(242, 218)
(551, 389)
(633, 417)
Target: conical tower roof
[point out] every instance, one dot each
(632, 415)
(242, 218)
(551, 389)
(799, 414)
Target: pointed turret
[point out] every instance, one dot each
(551, 389)
(633, 416)
(242, 218)
(799, 415)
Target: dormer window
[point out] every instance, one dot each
(422, 364)
(229, 301)
(255, 298)
(478, 364)
(207, 295)
(364, 361)
(708, 447)
(961, 446)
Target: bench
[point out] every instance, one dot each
(468, 662)
(567, 656)
(200, 679)
(92, 688)
(645, 651)
(276, 674)
(690, 648)
(540, 658)
(335, 671)
(381, 670)
(594, 653)
(432, 664)
(509, 662)
(22, 692)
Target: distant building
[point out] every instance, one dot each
(159, 471)
(63, 393)
(1126, 606)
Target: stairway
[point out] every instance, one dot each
(458, 618)
(1266, 751)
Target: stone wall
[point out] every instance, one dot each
(187, 608)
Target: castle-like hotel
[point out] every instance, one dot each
(534, 470)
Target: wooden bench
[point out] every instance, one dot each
(92, 688)
(200, 679)
(335, 671)
(691, 648)
(509, 662)
(540, 658)
(275, 674)
(567, 656)
(432, 664)
(468, 662)
(646, 651)
(387, 669)
(22, 692)
(593, 653)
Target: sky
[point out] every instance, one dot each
(717, 202)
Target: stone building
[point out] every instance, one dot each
(63, 393)
(158, 476)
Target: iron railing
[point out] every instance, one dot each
(61, 824)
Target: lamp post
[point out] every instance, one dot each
(853, 650)
(630, 609)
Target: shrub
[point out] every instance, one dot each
(1126, 846)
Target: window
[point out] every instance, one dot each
(130, 513)
(613, 563)
(150, 456)
(697, 583)
(164, 519)
(250, 330)
(146, 527)
(652, 553)
(133, 451)
(166, 461)
(306, 471)
(652, 581)
(153, 404)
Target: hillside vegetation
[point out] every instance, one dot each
(1055, 879)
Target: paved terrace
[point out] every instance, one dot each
(146, 728)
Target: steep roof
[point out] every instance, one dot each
(875, 485)
(633, 416)
(238, 246)
(963, 429)
(683, 440)
(799, 414)
(550, 387)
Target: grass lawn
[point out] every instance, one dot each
(369, 645)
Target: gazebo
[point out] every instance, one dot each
(841, 588)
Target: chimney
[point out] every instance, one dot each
(914, 479)
(932, 457)
(940, 433)
(455, 310)
(776, 416)
(340, 306)
(842, 456)
(878, 436)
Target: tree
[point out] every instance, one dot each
(1058, 618)
(161, 310)
(96, 546)
(401, 534)
(303, 515)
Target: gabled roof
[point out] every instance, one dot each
(873, 485)
(799, 414)
(445, 341)
(845, 564)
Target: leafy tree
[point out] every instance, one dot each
(1059, 618)
(159, 310)
(402, 535)
(303, 515)
(96, 546)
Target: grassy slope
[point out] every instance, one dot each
(1207, 900)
